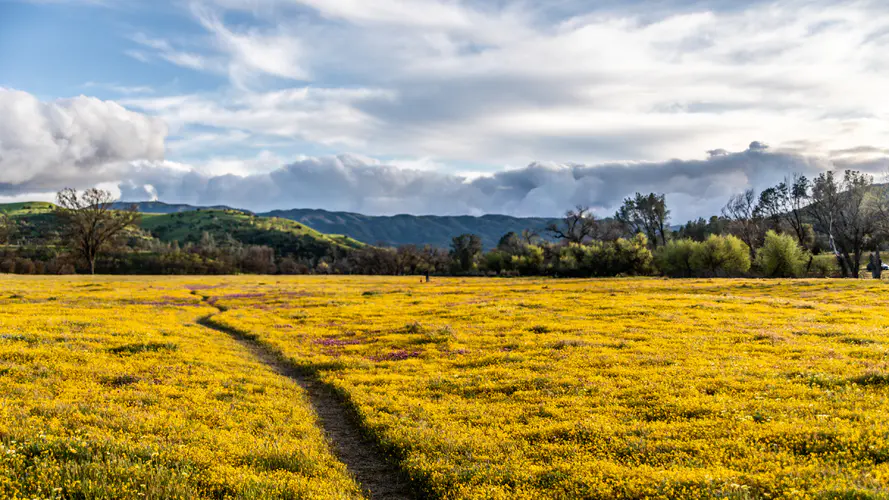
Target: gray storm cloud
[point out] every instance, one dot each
(350, 183)
(83, 140)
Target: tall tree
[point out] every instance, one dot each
(782, 206)
(577, 226)
(799, 200)
(744, 218)
(773, 204)
(465, 249)
(90, 222)
(846, 211)
(511, 243)
(646, 214)
(701, 229)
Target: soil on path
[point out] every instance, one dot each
(375, 471)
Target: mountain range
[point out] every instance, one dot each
(392, 230)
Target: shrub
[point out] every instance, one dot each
(606, 258)
(497, 261)
(780, 256)
(721, 256)
(675, 258)
(824, 266)
(531, 262)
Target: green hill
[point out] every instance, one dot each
(285, 236)
(26, 208)
(37, 224)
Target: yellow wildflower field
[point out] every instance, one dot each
(109, 389)
(600, 388)
(482, 388)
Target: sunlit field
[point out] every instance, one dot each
(109, 389)
(479, 388)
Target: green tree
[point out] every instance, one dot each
(511, 244)
(465, 249)
(7, 228)
(847, 212)
(783, 208)
(701, 229)
(646, 214)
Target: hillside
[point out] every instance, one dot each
(412, 229)
(386, 230)
(34, 221)
(285, 236)
(36, 224)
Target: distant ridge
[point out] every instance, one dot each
(404, 229)
(394, 230)
(159, 207)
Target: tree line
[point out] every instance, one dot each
(799, 227)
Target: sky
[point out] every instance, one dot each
(518, 107)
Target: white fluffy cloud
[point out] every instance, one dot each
(85, 141)
(46, 145)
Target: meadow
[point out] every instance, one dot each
(477, 388)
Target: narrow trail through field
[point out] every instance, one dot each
(375, 472)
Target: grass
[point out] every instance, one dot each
(26, 208)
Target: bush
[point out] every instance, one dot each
(531, 262)
(781, 256)
(625, 257)
(721, 256)
(675, 259)
(824, 266)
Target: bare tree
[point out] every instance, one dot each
(91, 223)
(744, 219)
(645, 214)
(530, 237)
(578, 225)
(847, 211)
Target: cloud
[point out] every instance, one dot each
(166, 51)
(254, 52)
(324, 116)
(121, 89)
(359, 184)
(511, 82)
(81, 141)
(592, 96)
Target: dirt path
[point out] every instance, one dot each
(378, 476)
